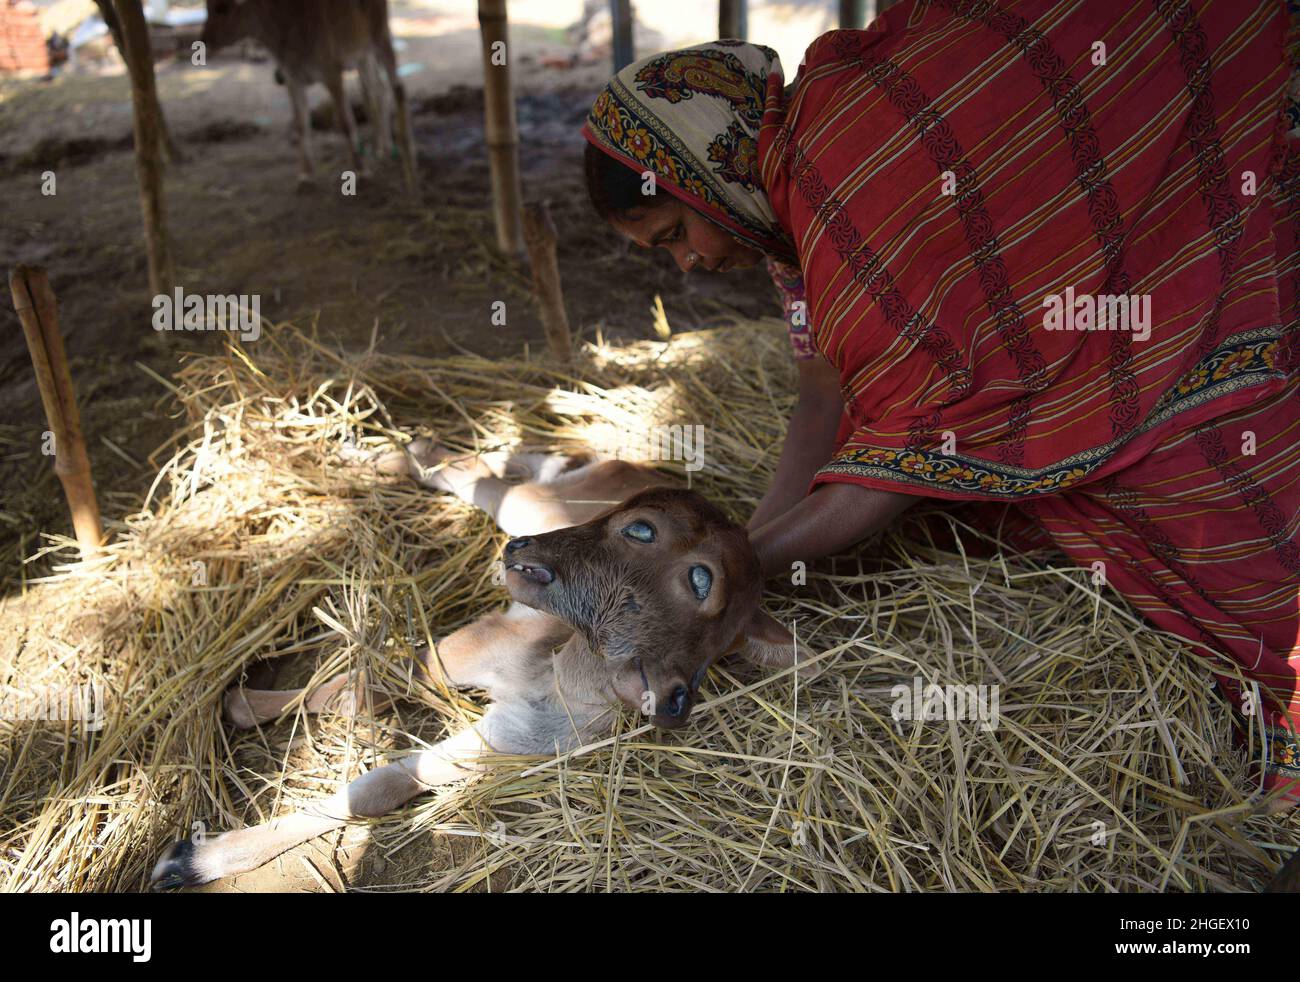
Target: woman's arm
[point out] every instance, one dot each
(809, 441)
(788, 524)
(833, 518)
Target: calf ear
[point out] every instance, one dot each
(767, 643)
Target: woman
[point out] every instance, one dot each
(943, 198)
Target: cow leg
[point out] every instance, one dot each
(383, 51)
(376, 92)
(301, 127)
(347, 123)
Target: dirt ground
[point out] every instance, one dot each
(420, 274)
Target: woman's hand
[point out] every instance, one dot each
(790, 525)
(809, 441)
(831, 519)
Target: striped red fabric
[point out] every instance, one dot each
(972, 188)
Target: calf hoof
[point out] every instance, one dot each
(427, 453)
(390, 461)
(347, 704)
(176, 868)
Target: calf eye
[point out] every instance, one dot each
(701, 581)
(641, 531)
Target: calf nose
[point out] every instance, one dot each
(514, 545)
(677, 700)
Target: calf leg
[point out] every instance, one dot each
(246, 708)
(507, 653)
(560, 491)
(376, 793)
(561, 494)
(486, 653)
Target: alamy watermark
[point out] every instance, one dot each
(236, 312)
(1103, 312)
(82, 704)
(675, 443)
(75, 935)
(927, 702)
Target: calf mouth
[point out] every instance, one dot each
(538, 573)
(663, 721)
(522, 570)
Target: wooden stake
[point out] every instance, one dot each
(620, 12)
(38, 312)
(148, 143)
(732, 18)
(500, 127)
(539, 236)
(171, 152)
(853, 14)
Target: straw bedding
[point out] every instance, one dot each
(1111, 767)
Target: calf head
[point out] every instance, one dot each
(660, 587)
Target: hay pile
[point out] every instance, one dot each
(1111, 768)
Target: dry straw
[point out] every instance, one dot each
(1111, 767)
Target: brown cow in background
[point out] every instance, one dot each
(316, 41)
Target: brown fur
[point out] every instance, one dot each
(316, 41)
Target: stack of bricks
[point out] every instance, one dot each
(22, 41)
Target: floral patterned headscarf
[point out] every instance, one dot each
(691, 117)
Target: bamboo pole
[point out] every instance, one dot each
(853, 14)
(38, 313)
(732, 19)
(500, 127)
(171, 152)
(148, 143)
(620, 12)
(539, 236)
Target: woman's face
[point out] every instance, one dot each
(694, 241)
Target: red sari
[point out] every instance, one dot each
(946, 174)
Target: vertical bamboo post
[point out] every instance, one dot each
(539, 236)
(620, 12)
(171, 153)
(732, 19)
(148, 143)
(500, 127)
(38, 312)
(853, 14)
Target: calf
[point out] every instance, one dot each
(315, 41)
(624, 591)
